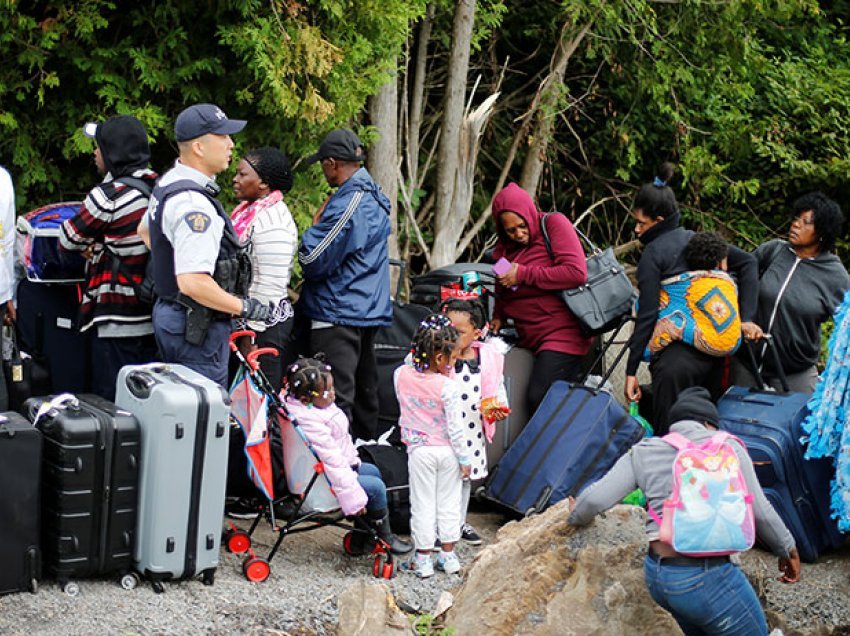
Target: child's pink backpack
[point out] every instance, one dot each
(710, 511)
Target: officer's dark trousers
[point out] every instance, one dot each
(108, 355)
(351, 353)
(676, 368)
(209, 358)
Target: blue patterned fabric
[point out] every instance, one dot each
(828, 434)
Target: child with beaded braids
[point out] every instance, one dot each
(358, 486)
(478, 370)
(431, 427)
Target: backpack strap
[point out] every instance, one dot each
(677, 440)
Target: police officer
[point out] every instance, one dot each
(200, 269)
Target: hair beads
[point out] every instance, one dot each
(435, 334)
(307, 377)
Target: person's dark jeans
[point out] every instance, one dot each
(676, 368)
(276, 337)
(108, 355)
(351, 353)
(369, 477)
(706, 600)
(209, 358)
(548, 367)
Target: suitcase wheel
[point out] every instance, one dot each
(208, 576)
(256, 569)
(237, 541)
(33, 586)
(129, 581)
(71, 588)
(383, 566)
(158, 587)
(530, 512)
(480, 493)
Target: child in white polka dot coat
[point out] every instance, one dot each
(479, 371)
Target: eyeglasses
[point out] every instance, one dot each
(803, 219)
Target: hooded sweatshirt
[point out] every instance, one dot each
(542, 319)
(663, 257)
(795, 296)
(108, 220)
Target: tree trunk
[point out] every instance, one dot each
(383, 154)
(447, 228)
(550, 92)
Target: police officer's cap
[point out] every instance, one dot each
(340, 144)
(202, 119)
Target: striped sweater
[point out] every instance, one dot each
(107, 223)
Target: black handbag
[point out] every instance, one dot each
(607, 298)
(25, 375)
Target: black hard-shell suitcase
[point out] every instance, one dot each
(769, 424)
(391, 460)
(47, 330)
(90, 479)
(20, 480)
(576, 435)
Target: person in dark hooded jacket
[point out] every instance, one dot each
(679, 365)
(104, 229)
(801, 282)
(530, 292)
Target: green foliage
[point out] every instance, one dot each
(294, 70)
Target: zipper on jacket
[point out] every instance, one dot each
(779, 296)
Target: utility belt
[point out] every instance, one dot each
(198, 318)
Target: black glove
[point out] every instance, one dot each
(255, 310)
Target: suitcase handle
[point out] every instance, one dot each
(768, 343)
(140, 384)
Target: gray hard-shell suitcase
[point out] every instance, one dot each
(183, 418)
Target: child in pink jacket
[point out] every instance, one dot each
(358, 487)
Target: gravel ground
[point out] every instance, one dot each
(309, 572)
(299, 597)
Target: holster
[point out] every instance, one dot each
(198, 319)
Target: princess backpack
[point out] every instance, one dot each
(710, 511)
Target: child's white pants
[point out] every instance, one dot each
(435, 495)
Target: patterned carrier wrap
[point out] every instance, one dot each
(699, 308)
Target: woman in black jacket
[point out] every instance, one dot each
(801, 282)
(679, 365)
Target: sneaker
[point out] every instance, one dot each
(242, 509)
(421, 565)
(468, 534)
(448, 563)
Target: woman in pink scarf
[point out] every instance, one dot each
(528, 292)
(263, 219)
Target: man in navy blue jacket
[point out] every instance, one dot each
(346, 292)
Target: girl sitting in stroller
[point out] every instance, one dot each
(358, 486)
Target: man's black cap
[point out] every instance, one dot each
(202, 119)
(340, 144)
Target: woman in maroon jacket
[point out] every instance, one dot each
(528, 292)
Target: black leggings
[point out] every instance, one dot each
(548, 367)
(676, 368)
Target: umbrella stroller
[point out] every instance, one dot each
(268, 430)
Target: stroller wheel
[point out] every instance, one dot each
(346, 543)
(383, 568)
(256, 569)
(237, 541)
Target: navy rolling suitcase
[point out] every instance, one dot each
(90, 487)
(576, 435)
(20, 509)
(769, 424)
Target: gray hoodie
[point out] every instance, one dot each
(795, 296)
(649, 466)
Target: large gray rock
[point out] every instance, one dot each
(544, 577)
(368, 609)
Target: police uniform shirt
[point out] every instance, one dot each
(191, 223)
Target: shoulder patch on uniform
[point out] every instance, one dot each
(197, 221)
